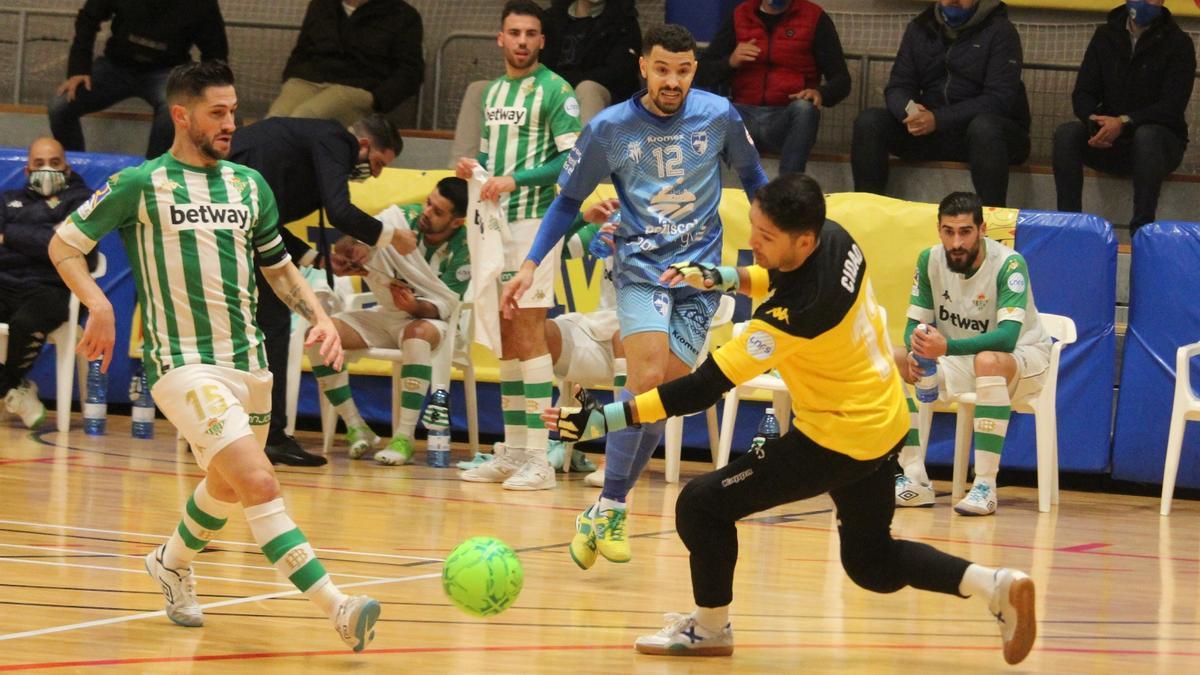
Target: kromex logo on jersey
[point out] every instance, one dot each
(190, 216)
(505, 115)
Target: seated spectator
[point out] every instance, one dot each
(593, 45)
(33, 299)
(148, 39)
(774, 55)
(353, 57)
(1130, 97)
(416, 295)
(955, 94)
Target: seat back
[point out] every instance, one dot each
(1062, 331)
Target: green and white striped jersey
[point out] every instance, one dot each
(526, 122)
(191, 234)
(963, 306)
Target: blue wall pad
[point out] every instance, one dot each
(1164, 314)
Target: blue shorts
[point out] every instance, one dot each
(682, 313)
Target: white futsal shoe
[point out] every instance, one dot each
(497, 469)
(535, 474)
(980, 501)
(179, 588)
(911, 493)
(355, 621)
(682, 636)
(595, 478)
(1012, 604)
(23, 402)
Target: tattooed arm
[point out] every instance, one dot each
(100, 333)
(294, 291)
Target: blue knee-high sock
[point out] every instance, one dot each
(652, 434)
(620, 453)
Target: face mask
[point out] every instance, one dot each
(360, 172)
(47, 182)
(1142, 12)
(957, 16)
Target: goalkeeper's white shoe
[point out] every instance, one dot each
(1012, 604)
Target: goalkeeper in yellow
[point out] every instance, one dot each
(823, 331)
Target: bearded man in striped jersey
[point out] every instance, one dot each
(530, 123)
(193, 227)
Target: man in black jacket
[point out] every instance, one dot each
(352, 58)
(148, 39)
(955, 94)
(593, 44)
(307, 163)
(1130, 97)
(33, 299)
(783, 62)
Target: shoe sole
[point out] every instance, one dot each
(910, 505)
(1021, 597)
(475, 479)
(964, 512)
(725, 650)
(388, 462)
(529, 488)
(613, 560)
(364, 628)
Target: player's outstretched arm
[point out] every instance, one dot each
(751, 281)
(295, 292)
(100, 333)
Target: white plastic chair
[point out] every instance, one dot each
(66, 362)
(1041, 405)
(450, 352)
(1186, 407)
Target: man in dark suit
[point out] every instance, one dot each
(307, 163)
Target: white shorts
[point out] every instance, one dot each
(540, 293)
(384, 329)
(956, 374)
(583, 360)
(213, 406)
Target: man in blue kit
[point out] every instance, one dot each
(662, 149)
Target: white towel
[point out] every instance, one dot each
(487, 237)
(386, 265)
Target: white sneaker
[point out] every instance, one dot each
(980, 501)
(911, 493)
(535, 474)
(681, 638)
(355, 621)
(23, 402)
(179, 588)
(595, 478)
(497, 469)
(1013, 606)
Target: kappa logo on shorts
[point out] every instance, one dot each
(737, 478)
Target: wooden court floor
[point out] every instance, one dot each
(1118, 584)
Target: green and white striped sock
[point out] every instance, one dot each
(538, 374)
(414, 378)
(335, 386)
(620, 370)
(992, 410)
(512, 403)
(289, 551)
(912, 460)
(203, 517)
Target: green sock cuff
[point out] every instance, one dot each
(285, 542)
(538, 390)
(512, 388)
(310, 573)
(989, 442)
(338, 395)
(411, 400)
(995, 412)
(190, 540)
(912, 405)
(421, 371)
(321, 370)
(205, 520)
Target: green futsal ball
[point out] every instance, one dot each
(482, 576)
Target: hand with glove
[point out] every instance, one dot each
(702, 276)
(586, 421)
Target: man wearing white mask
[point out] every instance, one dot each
(33, 300)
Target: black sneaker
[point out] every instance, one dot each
(289, 452)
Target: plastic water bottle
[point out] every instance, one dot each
(143, 405)
(601, 245)
(927, 384)
(95, 404)
(438, 442)
(768, 430)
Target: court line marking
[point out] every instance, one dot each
(365, 554)
(125, 570)
(128, 556)
(212, 605)
(246, 656)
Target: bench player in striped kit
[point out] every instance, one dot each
(193, 227)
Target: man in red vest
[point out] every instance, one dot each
(783, 62)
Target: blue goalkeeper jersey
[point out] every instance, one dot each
(667, 174)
